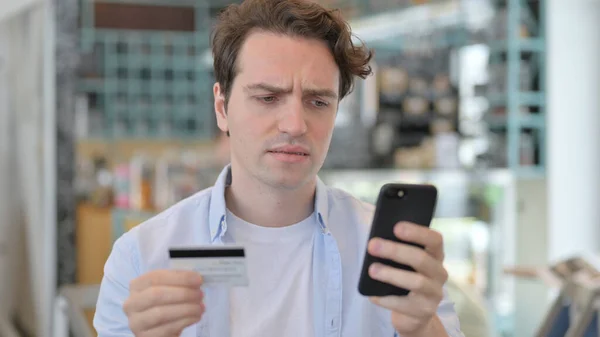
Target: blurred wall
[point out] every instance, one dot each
(15, 285)
(26, 166)
(6, 282)
(10, 8)
(573, 127)
(559, 216)
(531, 296)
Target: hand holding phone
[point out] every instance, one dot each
(404, 256)
(396, 203)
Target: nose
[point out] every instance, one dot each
(292, 120)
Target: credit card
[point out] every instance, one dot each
(218, 265)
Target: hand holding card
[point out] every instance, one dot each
(164, 302)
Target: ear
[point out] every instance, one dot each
(220, 109)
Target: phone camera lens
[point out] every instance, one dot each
(395, 193)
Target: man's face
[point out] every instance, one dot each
(281, 110)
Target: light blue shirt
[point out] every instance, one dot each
(338, 309)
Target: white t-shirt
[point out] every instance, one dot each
(279, 299)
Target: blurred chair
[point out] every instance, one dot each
(69, 314)
(574, 312)
(471, 309)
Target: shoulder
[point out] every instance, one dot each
(346, 203)
(178, 215)
(348, 218)
(184, 223)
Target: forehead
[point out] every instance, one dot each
(285, 60)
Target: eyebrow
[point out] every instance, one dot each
(281, 90)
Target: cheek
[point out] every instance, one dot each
(251, 126)
(241, 118)
(322, 131)
(247, 129)
(246, 133)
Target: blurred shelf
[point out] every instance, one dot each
(144, 87)
(391, 24)
(363, 8)
(532, 99)
(394, 27)
(423, 119)
(440, 176)
(520, 48)
(146, 80)
(523, 121)
(143, 36)
(151, 2)
(401, 43)
(530, 172)
(525, 45)
(143, 140)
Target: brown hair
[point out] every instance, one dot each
(292, 17)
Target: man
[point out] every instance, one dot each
(282, 66)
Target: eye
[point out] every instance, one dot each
(267, 99)
(319, 103)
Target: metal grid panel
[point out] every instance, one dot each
(519, 96)
(149, 84)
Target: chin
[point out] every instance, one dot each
(288, 180)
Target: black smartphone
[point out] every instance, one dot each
(396, 203)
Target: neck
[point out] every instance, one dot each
(266, 206)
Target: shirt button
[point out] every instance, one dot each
(332, 324)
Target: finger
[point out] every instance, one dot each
(406, 279)
(176, 278)
(413, 305)
(409, 255)
(162, 295)
(172, 329)
(164, 315)
(432, 240)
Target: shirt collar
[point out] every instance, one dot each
(218, 207)
(322, 205)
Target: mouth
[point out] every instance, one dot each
(293, 153)
(290, 154)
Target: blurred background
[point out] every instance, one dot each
(106, 118)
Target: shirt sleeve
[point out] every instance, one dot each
(121, 267)
(448, 317)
